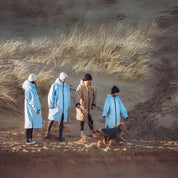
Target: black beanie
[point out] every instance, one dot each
(87, 77)
(115, 90)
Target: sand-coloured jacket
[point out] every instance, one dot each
(113, 109)
(86, 96)
(32, 106)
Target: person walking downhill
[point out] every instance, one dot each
(86, 102)
(59, 104)
(33, 118)
(113, 109)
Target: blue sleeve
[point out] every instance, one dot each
(123, 110)
(33, 101)
(52, 96)
(106, 107)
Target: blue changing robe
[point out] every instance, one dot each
(113, 110)
(32, 106)
(59, 100)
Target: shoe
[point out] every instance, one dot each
(30, 142)
(61, 139)
(47, 135)
(93, 135)
(82, 134)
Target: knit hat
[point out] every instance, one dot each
(32, 77)
(87, 77)
(115, 90)
(62, 76)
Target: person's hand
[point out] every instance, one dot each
(50, 107)
(78, 105)
(37, 112)
(93, 106)
(112, 127)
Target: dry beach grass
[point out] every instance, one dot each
(122, 49)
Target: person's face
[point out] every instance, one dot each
(88, 82)
(115, 94)
(64, 80)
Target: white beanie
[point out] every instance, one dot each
(32, 77)
(62, 76)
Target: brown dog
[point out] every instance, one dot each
(109, 133)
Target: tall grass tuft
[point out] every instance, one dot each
(8, 90)
(113, 48)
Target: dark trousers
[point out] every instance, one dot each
(29, 133)
(61, 126)
(90, 123)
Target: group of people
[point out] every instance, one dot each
(59, 103)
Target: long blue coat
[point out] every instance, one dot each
(32, 105)
(113, 109)
(59, 100)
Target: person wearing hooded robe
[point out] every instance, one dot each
(86, 102)
(59, 103)
(114, 109)
(33, 118)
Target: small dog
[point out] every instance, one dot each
(109, 133)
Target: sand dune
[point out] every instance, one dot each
(48, 37)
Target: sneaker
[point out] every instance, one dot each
(47, 135)
(93, 135)
(30, 142)
(82, 134)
